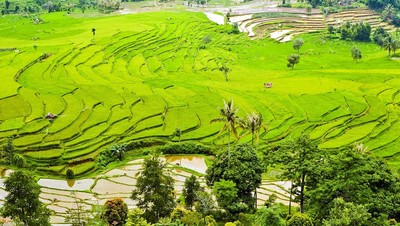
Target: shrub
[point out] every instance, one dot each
(185, 148)
(206, 39)
(19, 161)
(230, 224)
(143, 144)
(300, 220)
(331, 29)
(191, 218)
(309, 9)
(235, 28)
(116, 212)
(70, 174)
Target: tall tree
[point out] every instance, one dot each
(253, 123)
(205, 203)
(299, 160)
(243, 168)
(22, 203)
(154, 190)
(191, 187)
(388, 12)
(228, 113)
(8, 152)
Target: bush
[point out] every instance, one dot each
(331, 29)
(206, 39)
(235, 28)
(185, 148)
(191, 218)
(309, 9)
(300, 220)
(70, 174)
(19, 161)
(116, 210)
(143, 144)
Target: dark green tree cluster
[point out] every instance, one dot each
(324, 183)
(379, 35)
(22, 203)
(381, 4)
(235, 179)
(358, 32)
(35, 6)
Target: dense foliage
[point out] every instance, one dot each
(153, 191)
(35, 6)
(242, 167)
(115, 212)
(358, 31)
(190, 190)
(185, 148)
(319, 177)
(22, 203)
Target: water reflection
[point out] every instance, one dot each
(70, 183)
(196, 163)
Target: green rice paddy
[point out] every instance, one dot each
(144, 75)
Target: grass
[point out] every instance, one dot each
(144, 75)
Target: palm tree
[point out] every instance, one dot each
(390, 44)
(228, 113)
(118, 150)
(253, 123)
(388, 12)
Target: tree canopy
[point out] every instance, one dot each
(243, 168)
(154, 190)
(22, 203)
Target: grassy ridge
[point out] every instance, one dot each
(144, 75)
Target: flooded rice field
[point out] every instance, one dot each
(61, 195)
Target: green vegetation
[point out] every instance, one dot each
(153, 191)
(130, 84)
(115, 212)
(239, 172)
(22, 203)
(81, 95)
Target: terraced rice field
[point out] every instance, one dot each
(285, 23)
(61, 195)
(142, 76)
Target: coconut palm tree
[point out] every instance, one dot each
(228, 113)
(390, 44)
(253, 123)
(388, 12)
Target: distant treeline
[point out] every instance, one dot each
(35, 6)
